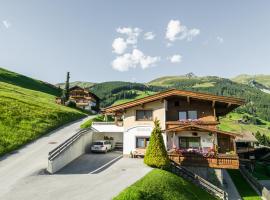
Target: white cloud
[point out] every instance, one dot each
(131, 33)
(175, 58)
(220, 39)
(176, 31)
(119, 45)
(149, 36)
(6, 24)
(133, 60)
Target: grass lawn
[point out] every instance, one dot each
(27, 114)
(162, 185)
(230, 123)
(243, 187)
(261, 172)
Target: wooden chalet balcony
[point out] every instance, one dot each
(221, 161)
(172, 124)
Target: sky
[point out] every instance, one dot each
(109, 40)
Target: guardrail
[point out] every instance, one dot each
(201, 182)
(63, 146)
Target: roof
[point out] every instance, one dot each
(106, 127)
(86, 90)
(193, 127)
(246, 137)
(174, 92)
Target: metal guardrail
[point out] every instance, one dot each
(63, 146)
(201, 182)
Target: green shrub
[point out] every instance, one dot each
(71, 104)
(156, 154)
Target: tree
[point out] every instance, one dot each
(156, 154)
(65, 95)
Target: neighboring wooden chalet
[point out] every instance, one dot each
(83, 98)
(189, 121)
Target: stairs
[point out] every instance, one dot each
(199, 181)
(118, 146)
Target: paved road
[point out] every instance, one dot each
(33, 157)
(103, 185)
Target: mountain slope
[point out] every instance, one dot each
(26, 82)
(27, 114)
(82, 84)
(246, 79)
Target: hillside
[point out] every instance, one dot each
(27, 114)
(82, 84)
(246, 79)
(29, 83)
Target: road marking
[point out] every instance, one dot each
(103, 166)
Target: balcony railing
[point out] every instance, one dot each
(172, 124)
(221, 161)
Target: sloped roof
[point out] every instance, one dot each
(174, 92)
(246, 137)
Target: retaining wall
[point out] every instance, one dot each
(71, 152)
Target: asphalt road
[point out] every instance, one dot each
(102, 185)
(32, 158)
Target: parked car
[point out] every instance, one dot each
(101, 146)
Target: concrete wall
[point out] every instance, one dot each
(159, 113)
(131, 134)
(76, 149)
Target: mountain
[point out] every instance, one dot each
(260, 81)
(27, 82)
(82, 84)
(28, 110)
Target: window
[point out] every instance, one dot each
(144, 115)
(192, 114)
(189, 142)
(183, 115)
(142, 142)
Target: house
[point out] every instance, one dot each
(189, 122)
(83, 98)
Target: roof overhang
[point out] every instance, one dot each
(229, 101)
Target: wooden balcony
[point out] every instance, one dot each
(221, 161)
(210, 124)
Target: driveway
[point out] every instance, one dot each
(32, 158)
(102, 185)
(91, 163)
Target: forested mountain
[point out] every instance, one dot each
(258, 102)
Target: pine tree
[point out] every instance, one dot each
(65, 95)
(156, 154)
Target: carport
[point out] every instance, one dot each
(108, 131)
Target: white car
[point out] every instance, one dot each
(101, 146)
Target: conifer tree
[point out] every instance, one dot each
(156, 154)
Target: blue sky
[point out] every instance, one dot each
(133, 40)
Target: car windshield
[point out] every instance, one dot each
(98, 143)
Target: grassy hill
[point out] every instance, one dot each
(82, 84)
(28, 110)
(27, 114)
(246, 79)
(29, 83)
(163, 185)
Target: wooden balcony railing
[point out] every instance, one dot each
(172, 124)
(219, 161)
